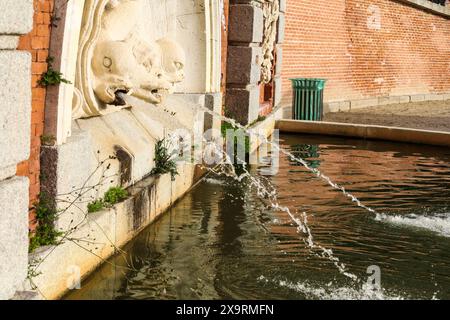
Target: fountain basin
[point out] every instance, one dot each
(222, 241)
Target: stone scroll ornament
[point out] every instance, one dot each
(271, 11)
(114, 59)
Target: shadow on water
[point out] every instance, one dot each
(223, 242)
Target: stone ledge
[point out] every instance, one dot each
(363, 131)
(347, 105)
(429, 6)
(110, 229)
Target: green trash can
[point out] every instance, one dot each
(307, 101)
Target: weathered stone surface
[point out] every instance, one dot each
(243, 104)
(13, 235)
(15, 107)
(246, 23)
(17, 16)
(244, 65)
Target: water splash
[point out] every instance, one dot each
(439, 224)
(269, 192)
(332, 292)
(303, 162)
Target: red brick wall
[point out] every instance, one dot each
(409, 54)
(37, 43)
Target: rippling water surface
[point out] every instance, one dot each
(222, 242)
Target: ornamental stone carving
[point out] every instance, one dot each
(271, 12)
(114, 57)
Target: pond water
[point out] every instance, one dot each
(221, 241)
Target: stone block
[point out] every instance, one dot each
(242, 104)
(244, 65)
(277, 81)
(417, 97)
(405, 99)
(213, 102)
(280, 28)
(15, 107)
(8, 42)
(330, 107)
(434, 97)
(382, 101)
(246, 23)
(17, 16)
(75, 167)
(283, 5)
(336, 106)
(279, 64)
(364, 103)
(13, 235)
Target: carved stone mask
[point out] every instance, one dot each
(146, 71)
(114, 57)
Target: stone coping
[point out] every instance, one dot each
(437, 138)
(347, 105)
(429, 6)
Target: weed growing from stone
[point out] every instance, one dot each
(164, 162)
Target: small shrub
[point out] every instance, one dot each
(48, 140)
(51, 77)
(115, 195)
(228, 126)
(45, 234)
(163, 160)
(96, 206)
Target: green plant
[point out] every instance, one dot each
(228, 126)
(163, 160)
(45, 234)
(48, 140)
(115, 195)
(51, 77)
(259, 119)
(96, 206)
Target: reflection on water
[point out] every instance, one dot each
(223, 242)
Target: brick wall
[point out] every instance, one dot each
(366, 48)
(37, 43)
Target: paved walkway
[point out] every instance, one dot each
(429, 115)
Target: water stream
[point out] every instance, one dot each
(289, 236)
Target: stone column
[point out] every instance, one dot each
(245, 58)
(245, 35)
(15, 118)
(279, 63)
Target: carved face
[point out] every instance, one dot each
(146, 71)
(173, 60)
